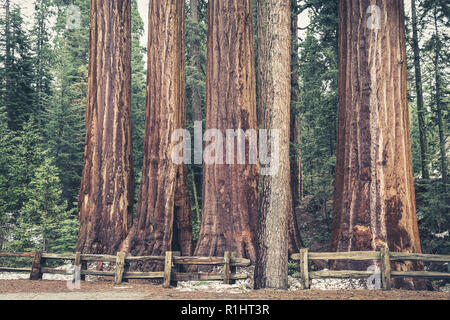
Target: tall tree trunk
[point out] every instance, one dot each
(230, 190)
(295, 241)
(419, 91)
(163, 210)
(106, 196)
(275, 198)
(374, 203)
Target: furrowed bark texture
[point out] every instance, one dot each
(106, 196)
(163, 212)
(275, 198)
(230, 191)
(374, 201)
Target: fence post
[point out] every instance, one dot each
(120, 267)
(385, 269)
(227, 267)
(36, 273)
(304, 269)
(79, 263)
(168, 269)
(175, 269)
(232, 268)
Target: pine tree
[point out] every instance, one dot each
(275, 196)
(419, 92)
(196, 36)
(16, 91)
(26, 154)
(42, 60)
(65, 129)
(138, 87)
(437, 13)
(45, 223)
(5, 160)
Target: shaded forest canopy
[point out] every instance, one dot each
(44, 79)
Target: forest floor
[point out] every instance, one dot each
(105, 290)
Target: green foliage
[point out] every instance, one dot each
(196, 38)
(44, 222)
(16, 89)
(43, 85)
(138, 89)
(433, 207)
(65, 128)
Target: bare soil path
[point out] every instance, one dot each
(102, 290)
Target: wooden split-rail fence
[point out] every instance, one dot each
(384, 256)
(173, 261)
(172, 266)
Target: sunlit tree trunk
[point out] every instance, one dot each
(106, 196)
(230, 205)
(374, 203)
(163, 220)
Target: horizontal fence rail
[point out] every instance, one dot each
(172, 262)
(384, 256)
(171, 274)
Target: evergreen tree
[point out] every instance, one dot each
(5, 151)
(16, 73)
(42, 60)
(138, 87)
(66, 117)
(45, 223)
(196, 36)
(25, 157)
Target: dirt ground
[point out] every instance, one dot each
(102, 290)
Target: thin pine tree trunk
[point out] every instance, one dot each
(275, 198)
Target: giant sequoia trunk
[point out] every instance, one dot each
(163, 220)
(275, 198)
(374, 203)
(106, 195)
(230, 190)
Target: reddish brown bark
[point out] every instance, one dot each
(106, 195)
(230, 191)
(163, 206)
(374, 201)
